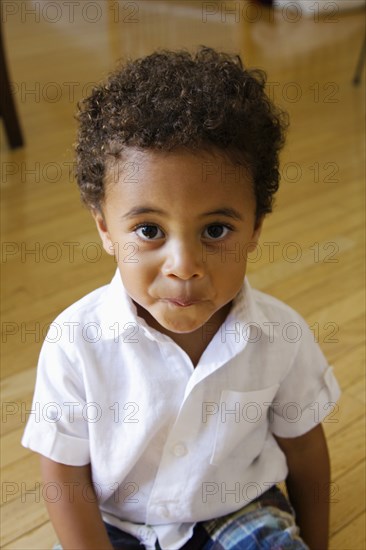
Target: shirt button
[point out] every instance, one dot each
(163, 511)
(180, 449)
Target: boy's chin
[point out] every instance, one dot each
(179, 326)
(178, 323)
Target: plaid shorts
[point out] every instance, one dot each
(267, 523)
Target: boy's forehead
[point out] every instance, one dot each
(206, 168)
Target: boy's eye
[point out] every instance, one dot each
(149, 232)
(217, 231)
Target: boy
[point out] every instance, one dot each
(172, 403)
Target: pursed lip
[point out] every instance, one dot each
(182, 302)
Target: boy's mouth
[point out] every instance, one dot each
(180, 302)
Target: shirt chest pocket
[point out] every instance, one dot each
(242, 424)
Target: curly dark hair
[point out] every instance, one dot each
(171, 100)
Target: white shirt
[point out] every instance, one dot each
(170, 444)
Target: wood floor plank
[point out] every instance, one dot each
(340, 445)
(349, 497)
(41, 538)
(19, 477)
(22, 515)
(347, 411)
(351, 537)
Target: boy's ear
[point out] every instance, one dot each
(256, 234)
(103, 231)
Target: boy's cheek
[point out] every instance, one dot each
(127, 254)
(234, 254)
(107, 244)
(110, 248)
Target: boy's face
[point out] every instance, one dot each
(180, 226)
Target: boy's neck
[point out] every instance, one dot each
(193, 343)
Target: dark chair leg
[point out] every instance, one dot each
(360, 64)
(7, 104)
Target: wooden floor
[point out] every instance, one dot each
(312, 246)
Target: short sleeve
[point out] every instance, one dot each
(56, 427)
(307, 393)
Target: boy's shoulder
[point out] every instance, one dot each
(96, 317)
(271, 307)
(85, 308)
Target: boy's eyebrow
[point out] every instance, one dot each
(138, 210)
(141, 210)
(228, 212)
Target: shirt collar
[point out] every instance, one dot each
(119, 313)
(246, 311)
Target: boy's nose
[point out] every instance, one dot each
(184, 261)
